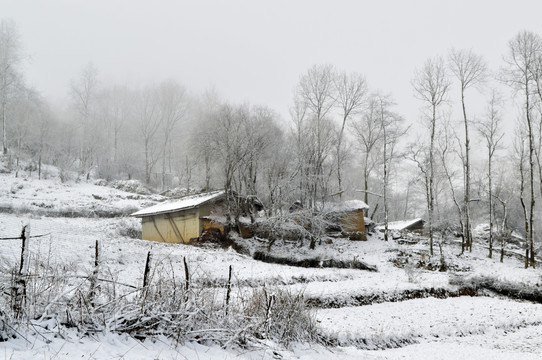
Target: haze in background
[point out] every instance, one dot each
(255, 51)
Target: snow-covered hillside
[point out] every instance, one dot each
(52, 197)
(404, 310)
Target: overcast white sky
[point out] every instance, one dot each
(255, 51)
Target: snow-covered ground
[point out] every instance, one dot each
(450, 328)
(428, 319)
(51, 197)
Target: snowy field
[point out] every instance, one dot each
(431, 328)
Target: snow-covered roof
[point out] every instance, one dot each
(400, 225)
(349, 205)
(187, 202)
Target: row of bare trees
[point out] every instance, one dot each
(110, 118)
(524, 75)
(166, 137)
(448, 144)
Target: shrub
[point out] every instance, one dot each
(281, 315)
(133, 186)
(130, 227)
(182, 309)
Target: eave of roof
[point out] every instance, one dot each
(401, 225)
(185, 203)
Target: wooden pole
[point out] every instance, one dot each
(94, 277)
(186, 280)
(147, 270)
(228, 290)
(20, 283)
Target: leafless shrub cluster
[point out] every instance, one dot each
(299, 226)
(129, 227)
(281, 315)
(60, 296)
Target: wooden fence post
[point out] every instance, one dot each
(20, 282)
(94, 277)
(228, 290)
(186, 280)
(147, 271)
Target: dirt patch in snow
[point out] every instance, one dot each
(377, 298)
(512, 290)
(313, 262)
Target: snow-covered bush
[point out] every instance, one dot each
(130, 227)
(281, 315)
(297, 226)
(179, 192)
(100, 182)
(182, 308)
(412, 272)
(15, 187)
(3, 168)
(133, 186)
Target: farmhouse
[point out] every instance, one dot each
(179, 221)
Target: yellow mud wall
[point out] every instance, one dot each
(178, 227)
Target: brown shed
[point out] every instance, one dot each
(349, 215)
(179, 221)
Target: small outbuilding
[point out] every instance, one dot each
(350, 216)
(180, 221)
(404, 225)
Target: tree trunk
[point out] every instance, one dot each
(490, 209)
(4, 104)
(339, 161)
(431, 180)
(467, 230)
(386, 210)
(531, 177)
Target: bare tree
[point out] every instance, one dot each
(10, 60)
(368, 134)
(351, 92)
(279, 175)
(44, 130)
(25, 107)
(491, 131)
(148, 123)
(260, 130)
(470, 70)
(172, 106)
(524, 52)
(205, 111)
(116, 108)
(316, 92)
(229, 147)
(502, 193)
(418, 153)
(84, 91)
(446, 150)
(520, 158)
(431, 86)
(391, 130)
(536, 73)
(298, 113)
